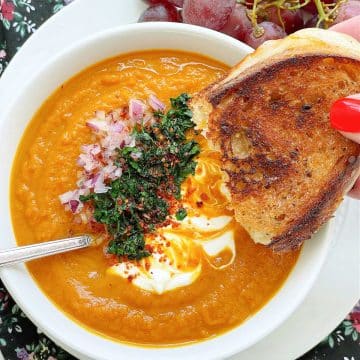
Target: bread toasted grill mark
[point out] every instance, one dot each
(287, 168)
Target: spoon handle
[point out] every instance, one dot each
(31, 252)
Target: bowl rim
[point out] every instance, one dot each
(6, 273)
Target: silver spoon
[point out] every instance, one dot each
(36, 251)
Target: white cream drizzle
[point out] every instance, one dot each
(170, 268)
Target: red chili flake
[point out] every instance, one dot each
(165, 223)
(191, 191)
(204, 197)
(112, 259)
(124, 112)
(168, 244)
(199, 204)
(147, 266)
(96, 227)
(131, 278)
(149, 248)
(174, 224)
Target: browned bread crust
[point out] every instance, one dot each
(287, 168)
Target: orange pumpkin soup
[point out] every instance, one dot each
(221, 277)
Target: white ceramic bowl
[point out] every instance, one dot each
(69, 335)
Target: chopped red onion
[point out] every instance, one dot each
(113, 130)
(149, 118)
(115, 115)
(118, 172)
(83, 192)
(74, 204)
(136, 110)
(94, 178)
(101, 115)
(88, 162)
(113, 141)
(100, 186)
(68, 196)
(98, 125)
(88, 184)
(93, 149)
(84, 218)
(131, 141)
(109, 171)
(71, 199)
(155, 103)
(136, 155)
(117, 127)
(80, 161)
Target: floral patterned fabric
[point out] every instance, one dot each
(19, 338)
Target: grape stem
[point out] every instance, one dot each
(258, 31)
(280, 18)
(285, 5)
(327, 17)
(320, 9)
(326, 12)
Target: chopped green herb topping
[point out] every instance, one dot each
(181, 214)
(153, 171)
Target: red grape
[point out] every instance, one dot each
(292, 19)
(160, 12)
(347, 10)
(238, 24)
(178, 3)
(249, 4)
(212, 14)
(311, 7)
(311, 22)
(271, 32)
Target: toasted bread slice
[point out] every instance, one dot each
(287, 169)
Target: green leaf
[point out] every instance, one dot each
(348, 330)
(18, 16)
(3, 342)
(355, 335)
(18, 328)
(6, 24)
(57, 8)
(331, 341)
(29, 347)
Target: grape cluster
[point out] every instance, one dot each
(253, 21)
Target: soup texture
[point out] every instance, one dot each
(221, 277)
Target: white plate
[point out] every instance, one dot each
(338, 286)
